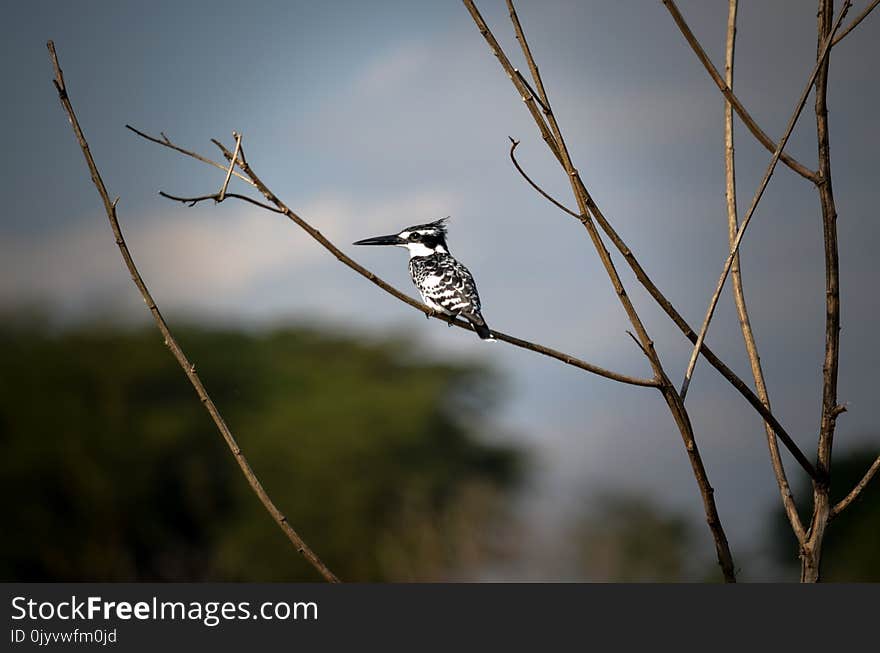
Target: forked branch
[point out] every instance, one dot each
(727, 91)
(165, 141)
(757, 198)
(188, 367)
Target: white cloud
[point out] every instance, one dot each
(198, 253)
(205, 259)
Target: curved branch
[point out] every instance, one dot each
(725, 89)
(192, 201)
(844, 503)
(188, 367)
(541, 191)
(739, 296)
(384, 285)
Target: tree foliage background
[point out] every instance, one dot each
(381, 456)
(112, 471)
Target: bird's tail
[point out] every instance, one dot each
(480, 326)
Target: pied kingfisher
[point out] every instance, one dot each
(445, 284)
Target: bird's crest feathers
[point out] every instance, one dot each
(437, 225)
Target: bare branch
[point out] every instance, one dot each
(167, 143)
(364, 272)
(858, 19)
(844, 503)
(636, 340)
(812, 548)
(222, 192)
(527, 53)
(192, 201)
(757, 198)
(170, 342)
(525, 82)
(558, 205)
(759, 133)
(565, 358)
(518, 81)
(832, 277)
(736, 279)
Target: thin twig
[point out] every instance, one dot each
(736, 279)
(541, 191)
(757, 198)
(674, 403)
(167, 143)
(241, 152)
(170, 342)
(857, 490)
(636, 340)
(759, 133)
(858, 19)
(524, 91)
(192, 201)
(527, 52)
(364, 272)
(222, 192)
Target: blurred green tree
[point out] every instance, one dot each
(851, 552)
(629, 538)
(112, 470)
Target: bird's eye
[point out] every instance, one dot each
(415, 236)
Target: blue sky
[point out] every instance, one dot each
(366, 117)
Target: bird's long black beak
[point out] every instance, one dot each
(381, 240)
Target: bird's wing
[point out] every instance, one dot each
(456, 291)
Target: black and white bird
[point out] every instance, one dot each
(445, 285)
